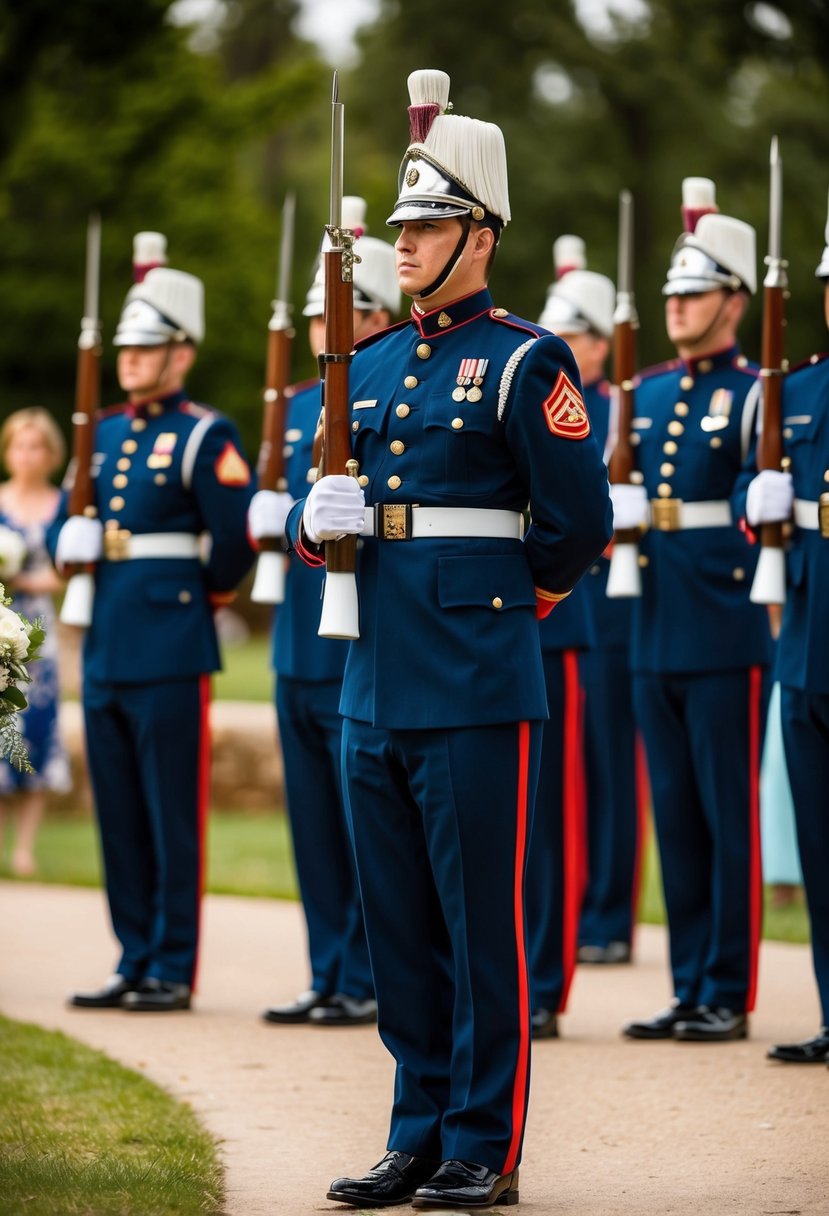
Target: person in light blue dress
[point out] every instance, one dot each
(31, 450)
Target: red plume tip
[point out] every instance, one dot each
(691, 216)
(421, 118)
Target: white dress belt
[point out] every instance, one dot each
(404, 521)
(715, 514)
(120, 547)
(806, 514)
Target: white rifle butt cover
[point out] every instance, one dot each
(340, 612)
(769, 585)
(76, 608)
(269, 582)
(624, 579)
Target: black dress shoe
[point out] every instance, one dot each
(463, 1184)
(708, 1025)
(298, 1010)
(343, 1010)
(611, 954)
(544, 1024)
(661, 1025)
(157, 996)
(108, 997)
(393, 1180)
(813, 1051)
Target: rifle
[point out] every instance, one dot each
(339, 617)
(77, 602)
(624, 579)
(769, 585)
(269, 583)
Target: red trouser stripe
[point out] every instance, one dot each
(202, 800)
(522, 1069)
(574, 813)
(755, 912)
(643, 798)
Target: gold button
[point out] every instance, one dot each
(644, 560)
(686, 382)
(116, 503)
(91, 512)
(124, 464)
(138, 424)
(411, 382)
(682, 409)
(403, 410)
(826, 475)
(786, 463)
(675, 427)
(705, 365)
(362, 480)
(160, 479)
(664, 490)
(670, 448)
(423, 351)
(742, 361)
(394, 482)
(155, 408)
(129, 445)
(635, 438)
(637, 478)
(457, 423)
(111, 525)
(715, 441)
(499, 312)
(120, 480)
(787, 432)
(497, 602)
(355, 426)
(739, 573)
(666, 469)
(184, 597)
(397, 447)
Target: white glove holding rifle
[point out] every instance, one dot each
(770, 498)
(80, 541)
(630, 506)
(335, 506)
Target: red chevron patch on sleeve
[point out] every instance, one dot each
(565, 411)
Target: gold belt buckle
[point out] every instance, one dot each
(116, 544)
(393, 520)
(823, 515)
(665, 514)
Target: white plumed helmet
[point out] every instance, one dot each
(168, 306)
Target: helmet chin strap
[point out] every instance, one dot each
(454, 258)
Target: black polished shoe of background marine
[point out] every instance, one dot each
(297, 1011)
(712, 1025)
(392, 1180)
(466, 1185)
(544, 1024)
(157, 996)
(342, 1010)
(109, 996)
(661, 1025)
(812, 1051)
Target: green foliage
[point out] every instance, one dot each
(81, 1134)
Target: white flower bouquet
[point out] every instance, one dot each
(20, 641)
(12, 552)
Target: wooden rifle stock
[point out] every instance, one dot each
(621, 462)
(271, 463)
(340, 555)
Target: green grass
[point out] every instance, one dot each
(246, 854)
(247, 674)
(82, 1136)
(251, 855)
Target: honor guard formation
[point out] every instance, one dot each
(519, 595)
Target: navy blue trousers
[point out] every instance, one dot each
(609, 906)
(310, 730)
(440, 820)
(703, 736)
(806, 738)
(557, 863)
(148, 752)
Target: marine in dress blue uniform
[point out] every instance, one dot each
(700, 647)
(802, 660)
(580, 307)
(461, 416)
(171, 490)
(309, 679)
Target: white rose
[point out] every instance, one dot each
(14, 637)
(12, 552)
(4, 679)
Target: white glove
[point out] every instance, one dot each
(267, 513)
(630, 506)
(81, 540)
(336, 505)
(770, 497)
